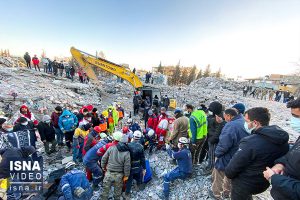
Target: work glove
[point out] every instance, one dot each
(168, 146)
(144, 172)
(79, 191)
(125, 178)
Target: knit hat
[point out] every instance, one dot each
(46, 118)
(58, 108)
(240, 107)
(2, 120)
(178, 110)
(215, 107)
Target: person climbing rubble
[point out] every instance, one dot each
(112, 117)
(54, 121)
(67, 123)
(74, 185)
(184, 165)
(36, 62)
(78, 141)
(47, 133)
(197, 131)
(138, 163)
(95, 117)
(116, 164)
(91, 159)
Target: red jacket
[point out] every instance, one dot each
(54, 119)
(158, 130)
(152, 122)
(102, 150)
(35, 61)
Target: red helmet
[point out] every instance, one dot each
(97, 129)
(125, 129)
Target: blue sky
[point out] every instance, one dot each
(248, 38)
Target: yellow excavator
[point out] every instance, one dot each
(86, 60)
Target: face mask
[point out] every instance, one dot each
(210, 113)
(85, 113)
(48, 121)
(67, 116)
(247, 128)
(295, 124)
(89, 119)
(109, 110)
(9, 129)
(179, 146)
(24, 124)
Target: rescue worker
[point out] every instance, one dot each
(112, 117)
(152, 120)
(67, 123)
(78, 141)
(184, 161)
(91, 159)
(95, 117)
(103, 124)
(162, 127)
(197, 131)
(27, 58)
(47, 133)
(74, 185)
(87, 119)
(127, 133)
(120, 111)
(116, 163)
(181, 126)
(150, 140)
(166, 102)
(138, 163)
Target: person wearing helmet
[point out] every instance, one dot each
(112, 117)
(78, 141)
(117, 137)
(184, 165)
(150, 139)
(90, 161)
(181, 126)
(135, 127)
(74, 185)
(162, 127)
(116, 163)
(138, 163)
(128, 135)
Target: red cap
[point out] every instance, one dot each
(97, 129)
(125, 129)
(90, 107)
(35, 122)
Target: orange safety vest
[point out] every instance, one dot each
(110, 120)
(103, 127)
(121, 114)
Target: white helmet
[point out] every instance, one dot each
(118, 135)
(183, 140)
(150, 132)
(129, 121)
(70, 165)
(137, 134)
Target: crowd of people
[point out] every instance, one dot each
(244, 154)
(268, 94)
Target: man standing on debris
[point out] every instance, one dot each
(166, 102)
(162, 127)
(120, 111)
(138, 163)
(74, 185)
(61, 68)
(197, 131)
(27, 58)
(112, 117)
(72, 73)
(229, 139)
(261, 149)
(47, 133)
(36, 63)
(67, 123)
(116, 163)
(181, 127)
(136, 104)
(54, 121)
(184, 161)
(152, 120)
(55, 68)
(284, 176)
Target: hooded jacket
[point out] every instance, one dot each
(89, 141)
(229, 140)
(117, 159)
(13, 153)
(67, 123)
(255, 153)
(46, 131)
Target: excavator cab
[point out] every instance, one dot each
(151, 92)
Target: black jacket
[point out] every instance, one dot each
(255, 153)
(13, 154)
(46, 131)
(27, 58)
(137, 156)
(20, 136)
(214, 129)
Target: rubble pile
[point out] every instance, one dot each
(216, 83)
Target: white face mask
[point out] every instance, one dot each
(48, 121)
(210, 113)
(247, 128)
(9, 129)
(89, 119)
(24, 124)
(295, 124)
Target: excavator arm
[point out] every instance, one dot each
(86, 60)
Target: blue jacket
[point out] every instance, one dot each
(91, 155)
(135, 127)
(229, 140)
(183, 158)
(72, 180)
(67, 123)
